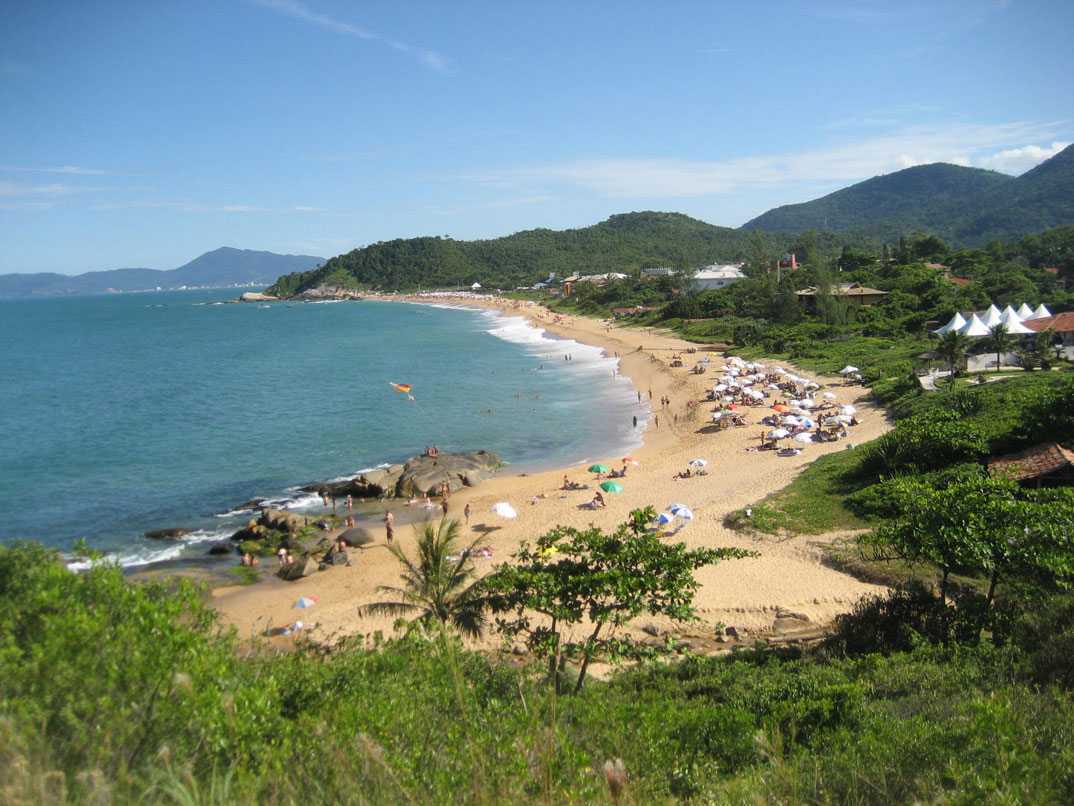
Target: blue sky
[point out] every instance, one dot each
(146, 133)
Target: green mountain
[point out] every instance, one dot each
(622, 243)
(964, 206)
(221, 267)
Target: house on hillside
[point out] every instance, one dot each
(855, 293)
(718, 276)
(1058, 329)
(1048, 464)
(652, 274)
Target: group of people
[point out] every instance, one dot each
(434, 451)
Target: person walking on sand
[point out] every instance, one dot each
(389, 519)
(466, 514)
(444, 505)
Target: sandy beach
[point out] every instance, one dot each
(788, 574)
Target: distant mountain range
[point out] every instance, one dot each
(221, 267)
(966, 207)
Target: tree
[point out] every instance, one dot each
(988, 525)
(438, 589)
(953, 349)
(999, 339)
(574, 575)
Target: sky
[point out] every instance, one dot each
(143, 134)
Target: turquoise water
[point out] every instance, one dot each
(125, 413)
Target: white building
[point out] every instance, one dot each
(717, 276)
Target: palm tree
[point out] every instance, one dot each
(440, 590)
(953, 348)
(999, 339)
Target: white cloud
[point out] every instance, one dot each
(1020, 160)
(846, 161)
(23, 190)
(298, 11)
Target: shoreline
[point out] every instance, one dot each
(748, 594)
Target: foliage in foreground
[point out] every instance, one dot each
(116, 693)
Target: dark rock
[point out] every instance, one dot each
(519, 649)
(283, 521)
(220, 548)
(426, 474)
(651, 629)
(301, 567)
(335, 556)
(166, 534)
(732, 632)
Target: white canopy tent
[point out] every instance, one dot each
(974, 328)
(1040, 313)
(1013, 324)
(957, 322)
(1025, 312)
(991, 317)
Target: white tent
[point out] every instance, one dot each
(974, 328)
(1013, 324)
(991, 317)
(475, 286)
(956, 323)
(1024, 312)
(1012, 312)
(1040, 313)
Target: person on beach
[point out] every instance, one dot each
(444, 505)
(350, 503)
(281, 555)
(466, 513)
(247, 559)
(389, 519)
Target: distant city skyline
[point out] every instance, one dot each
(143, 135)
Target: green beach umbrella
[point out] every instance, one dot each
(599, 469)
(612, 487)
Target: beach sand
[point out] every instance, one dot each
(747, 594)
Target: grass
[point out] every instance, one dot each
(812, 504)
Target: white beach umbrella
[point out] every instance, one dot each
(781, 371)
(664, 518)
(830, 395)
(812, 385)
(674, 508)
(698, 462)
(717, 416)
(720, 387)
(848, 369)
(805, 436)
(779, 433)
(847, 409)
(504, 510)
(807, 422)
(843, 419)
(790, 419)
(681, 511)
(808, 404)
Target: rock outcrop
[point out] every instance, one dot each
(422, 474)
(166, 534)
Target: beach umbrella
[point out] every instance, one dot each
(664, 518)
(779, 433)
(848, 369)
(847, 409)
(830, 395)
(790, 419)
(630, 460)
(844, 419)
(305, 602)
(611, 487)
(684, 513)
(782, 409)
(812, 385)
(805, 436)
(807, 422)
(674, 508)
(698, 462)
(504, 510)
(599, 469)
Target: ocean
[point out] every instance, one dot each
(125, 413)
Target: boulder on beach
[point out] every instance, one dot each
(422, 474)
(301, 567)
(283, 521)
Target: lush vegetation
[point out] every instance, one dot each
(117, 693)
(624, 243)
(966, 206)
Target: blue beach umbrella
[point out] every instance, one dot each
(305, 602)
(664, 518)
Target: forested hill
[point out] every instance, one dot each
(889, 206)
(622, 243)
(966, 207)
